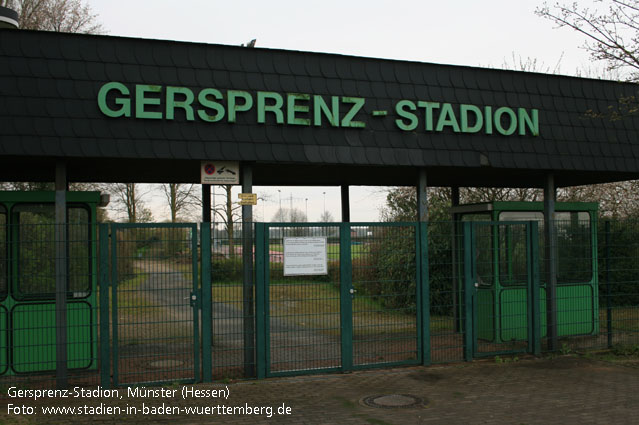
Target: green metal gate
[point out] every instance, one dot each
(154, 303)
(364, 311)
(501, 288)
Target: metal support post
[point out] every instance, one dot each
(206, 203)
(550, 196)
(422, 196)
(206, 301)
(247, 275)
(455, 232)
(61, 273)
(346, 207)
(608, 290)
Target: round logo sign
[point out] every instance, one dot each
(209, 169)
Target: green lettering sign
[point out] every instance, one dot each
(428, 113)
(526, 120)
(447, 118)
(141, 100)
(275, 107)
(513, 121)
(234, 107)
(293, 107)
(320, 107)
(479, 119)
(185, 104)
(205, 101)
(358, 103)
(403, 108)
(212, 105)
(125, 103)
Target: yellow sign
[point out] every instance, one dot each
(247, 198)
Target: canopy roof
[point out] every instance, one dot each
(136, 110)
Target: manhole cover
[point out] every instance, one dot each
(393, 401)
(162, 364)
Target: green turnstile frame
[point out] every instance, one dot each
(27, 314)
(502, 294)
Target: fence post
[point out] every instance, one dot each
(114, 303)
(424, 285)
(468, 320)
(105, 360)
(608, 290)
(207, 305)
(535, 295)
(61, 275)
(260, 255)
(346, 285)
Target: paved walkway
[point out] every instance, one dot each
(563, 390)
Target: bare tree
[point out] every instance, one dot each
(297, 216)
(327, 217)
(611, 31)
(472, 195)
(127, 198)
(517, 62)
(180, 197)
(55, 15)
(280, 216)
(229, 212)
(294, 215)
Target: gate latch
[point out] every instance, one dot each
(192, 299)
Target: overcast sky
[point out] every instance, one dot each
(461, 32)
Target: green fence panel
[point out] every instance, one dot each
(155, 303)
(261, 258)
(423, 313)
(303, 312)
(386, 304)
(206, 302)
(347, 293)
(105, 285)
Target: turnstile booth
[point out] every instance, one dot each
(496, 239)
(28, 281)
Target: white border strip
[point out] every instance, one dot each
(9, 20)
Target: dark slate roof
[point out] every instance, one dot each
(48, 109)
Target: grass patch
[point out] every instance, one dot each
(623, 319)
(442, 324)
(317, 305)
(140, 320)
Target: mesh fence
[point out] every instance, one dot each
(154, 331)
(577, 312)
(384, 302)
(28, 332)
(152, 334)
(232, 350)
(445, 255)
(304, 323)
(618, 271)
